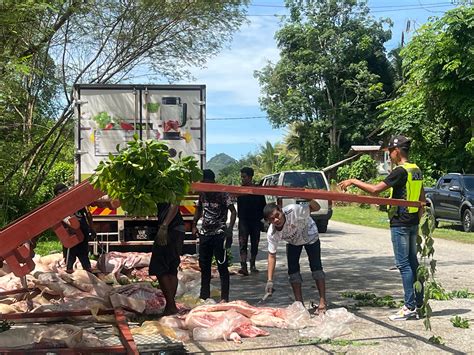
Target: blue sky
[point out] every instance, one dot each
(232, 91)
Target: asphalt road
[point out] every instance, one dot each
(359, 259)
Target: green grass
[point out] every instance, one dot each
(372, 217)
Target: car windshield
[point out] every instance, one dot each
(312, 180)
(469, 182)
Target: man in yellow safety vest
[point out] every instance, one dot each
(406, 182)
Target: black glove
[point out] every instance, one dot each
(228, 237)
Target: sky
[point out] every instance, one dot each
(236, 125)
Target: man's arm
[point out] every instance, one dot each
(370, 188)
(197, 216)
(172, 211)
(271, 265)
(233, 216)
(314, 206)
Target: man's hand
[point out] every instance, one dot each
(194, 231)
(228, 237)
(343, 185)
(162, 235)
(269, 287)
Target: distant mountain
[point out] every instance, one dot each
(219, 162)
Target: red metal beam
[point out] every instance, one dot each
(303, 193)
(58, 314)
(49, 215)
(124, 332)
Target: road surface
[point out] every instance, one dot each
(359, 259)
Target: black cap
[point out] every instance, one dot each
(208, 176)
(399, 142)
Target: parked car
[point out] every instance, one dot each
(452, 200)
(305, 179)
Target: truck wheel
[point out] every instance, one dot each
(467, 221)
(322, 226)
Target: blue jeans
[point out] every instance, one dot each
(404, 249)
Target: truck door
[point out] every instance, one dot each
(453, 200)
(442, 196)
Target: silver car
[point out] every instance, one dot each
(303, 179)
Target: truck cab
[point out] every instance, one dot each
(452, 199)
(302, 179)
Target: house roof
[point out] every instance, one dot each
(355, 149)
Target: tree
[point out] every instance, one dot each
(435, 105)
(48, 46)
(332, 69)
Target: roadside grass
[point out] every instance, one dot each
(372, 217)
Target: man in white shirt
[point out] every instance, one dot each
(294, 225)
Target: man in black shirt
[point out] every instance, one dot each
(250, 212)
(215, 236)
(81, 250)
(406, 181)
(165, 255)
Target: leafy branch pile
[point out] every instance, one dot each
(367, 299)
(143, 174)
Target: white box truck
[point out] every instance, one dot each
(108, 116)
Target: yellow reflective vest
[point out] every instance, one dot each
(413, 186)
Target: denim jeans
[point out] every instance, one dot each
(404, 249)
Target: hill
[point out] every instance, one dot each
(218, 162)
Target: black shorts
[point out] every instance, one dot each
(165, 259)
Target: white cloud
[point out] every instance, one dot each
(231, 72)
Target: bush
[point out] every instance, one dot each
(365, 168)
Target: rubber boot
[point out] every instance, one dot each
(243, 269)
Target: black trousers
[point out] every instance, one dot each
(79, 251)
(246, 229)
(209, 246)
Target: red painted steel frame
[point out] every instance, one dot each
(303, 193)
(125, 335)
(48, 215)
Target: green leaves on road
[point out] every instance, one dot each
(144, 174)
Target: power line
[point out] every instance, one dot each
(388, 9)
(372, 7)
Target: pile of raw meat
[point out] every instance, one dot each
(56, 290)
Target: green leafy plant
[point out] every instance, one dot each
(143, 174)
(427, 268)
(367, 299)
(436, 340)
(464, 293)
(460, 322)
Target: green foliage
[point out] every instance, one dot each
(367, 299)
(143, 174)
(464, 293)
(460, 322)
(427, 268)
(364, 168)
(435, 104)
(331, 73)
(436, 340)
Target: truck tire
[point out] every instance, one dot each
(322, 226)
(467, 221)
